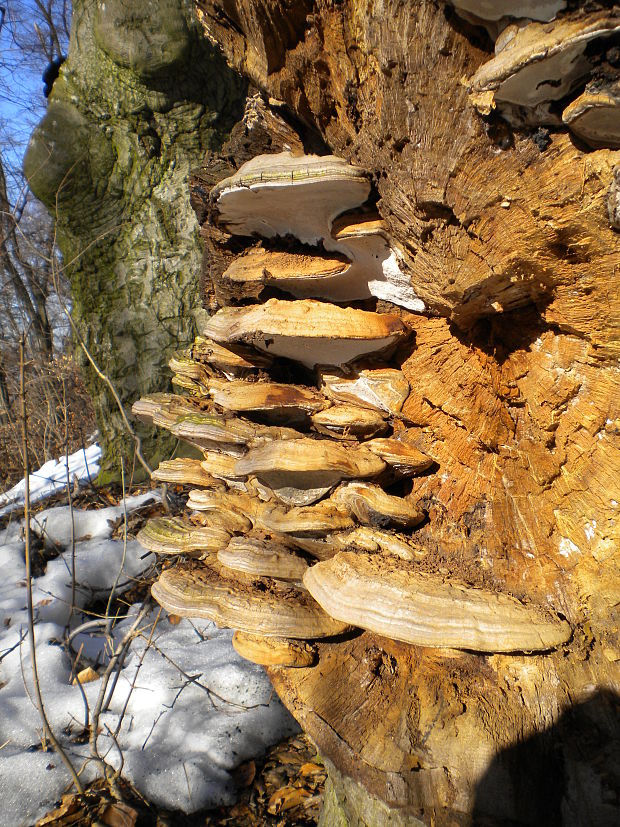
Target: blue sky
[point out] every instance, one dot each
(22, 102)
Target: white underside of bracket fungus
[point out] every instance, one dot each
(309, 332)
(283, 194)
(382, 388)
(542, 63)
(496, 9)
(392, 599)
(280, 195)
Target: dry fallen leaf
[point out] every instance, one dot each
(286, 799)
(86, 676)
(174, 620)
(70, 811)
(311, 769)
(119, 814)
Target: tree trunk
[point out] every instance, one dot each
(140, 98)
(505, 235)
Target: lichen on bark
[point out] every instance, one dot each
(140, 98)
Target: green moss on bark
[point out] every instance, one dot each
(140, 99)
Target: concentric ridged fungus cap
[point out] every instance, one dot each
(389, 597)
(273, 399)
(262, 557)
(304, 521)
(346, 421)
(283, 194)
(308, 331)
(400, 456)
(260, 608)
(184, 471)
(173, 535)
(308, 464)
(230, 362)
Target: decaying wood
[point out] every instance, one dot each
(509, 238)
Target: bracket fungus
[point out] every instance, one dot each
(300, 274)
(372, 506)
(274, 401)
(292, 497)
(308, 465)
(171, 535)
(307, 331)
(390, 598)
(541, 64)
(260, 607)
(345, 421)
(184, 471)
(264, 196)
(595, 115)
(230, 361)
(404, 459)
(274, 651)
(262, 558)
(493, 10)
(379, 388)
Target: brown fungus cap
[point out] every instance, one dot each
(259, 608)
(344, 421)
(262, 557)
(389, 597)
(376, 540)
(308, 331)
(174, 535)
(372, 506)
(274, 651)
(304, 521)
(595, 115)
(184, 471)
(402, 458)
(300, 274)
(274, 400)
(308, 465)
(230, 362)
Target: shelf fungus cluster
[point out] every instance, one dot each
(300, 525)
(550, 74)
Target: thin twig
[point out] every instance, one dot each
(124, 555)
(115, 661)
(70, 501)
(35, 674)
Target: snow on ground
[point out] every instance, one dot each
(52, 477)
(186, 709)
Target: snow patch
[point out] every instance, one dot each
(51, 477)
(186, 709)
